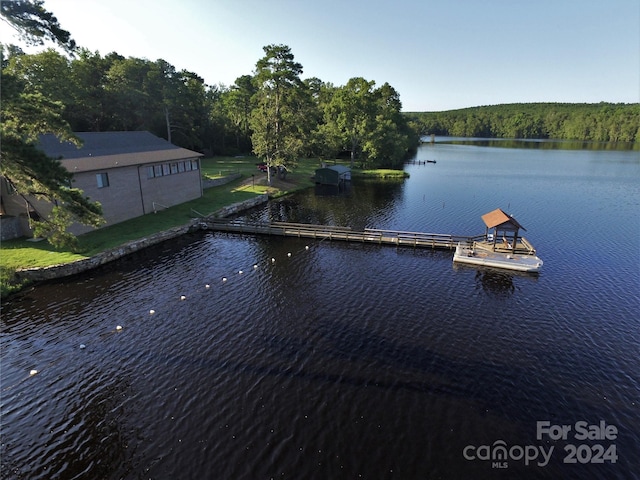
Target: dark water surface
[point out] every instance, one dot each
(346, 361)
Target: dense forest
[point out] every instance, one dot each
(114, 93)
(599, 122)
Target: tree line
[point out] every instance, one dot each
(113, 93)
(599, 122)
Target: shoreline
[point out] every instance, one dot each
(53, 272)
(21, 278)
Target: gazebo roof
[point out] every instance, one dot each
(498, 218)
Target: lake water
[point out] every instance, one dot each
(347, 361)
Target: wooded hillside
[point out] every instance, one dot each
(603, 122)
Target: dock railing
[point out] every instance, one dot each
(528, 246)
(523, 246)
(329, 232)
(422, 239)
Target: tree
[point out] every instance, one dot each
(30, 172)
(34, 24)
(368, 122)
(188, 110)
(128, 104)
(320, 142)
(27, 113)
(279, 98)
(238, 105)
(47, 72)
(88, 109)
(350, 114)
(392, 137)
(219, 125)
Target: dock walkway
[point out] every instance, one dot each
(326, 232)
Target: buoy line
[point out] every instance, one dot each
(207, 287)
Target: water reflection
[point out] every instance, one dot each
(494, 282)
(364, 204)
(497, 284)
(539, 144)
(332, 190)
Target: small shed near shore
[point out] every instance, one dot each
(504, 226)
(334, 175)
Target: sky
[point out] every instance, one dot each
(438, 55)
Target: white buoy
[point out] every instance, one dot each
(240, 272)
(255, 266)
(182, 297)
(207, 286)
(289, 254)
(273, 260)
(224, 279)
(152, 311)
(118, 327)
(33, 372)
(82, 346)
(307, 247)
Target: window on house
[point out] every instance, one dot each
(165, 169)
(150, 172)
(194, 164)
(102, 179)
(174, 168)
(157, 170)
(181, 167)
(187, 166)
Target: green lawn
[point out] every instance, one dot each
(21, 253)
(380, 173)
(216, 167)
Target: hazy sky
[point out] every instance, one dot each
(438, 55)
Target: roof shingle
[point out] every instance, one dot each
(102, 150)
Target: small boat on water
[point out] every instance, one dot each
(512, 252)
(474, 254)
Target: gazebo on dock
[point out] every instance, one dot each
(501, 230)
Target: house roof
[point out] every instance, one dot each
(104, 150)
(498, 218)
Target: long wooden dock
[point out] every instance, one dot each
(326, 232)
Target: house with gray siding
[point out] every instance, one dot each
(129, 173)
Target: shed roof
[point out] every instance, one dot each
(339, 168)
(498, 218)
(104, 150)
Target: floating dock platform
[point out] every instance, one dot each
(483, 255)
